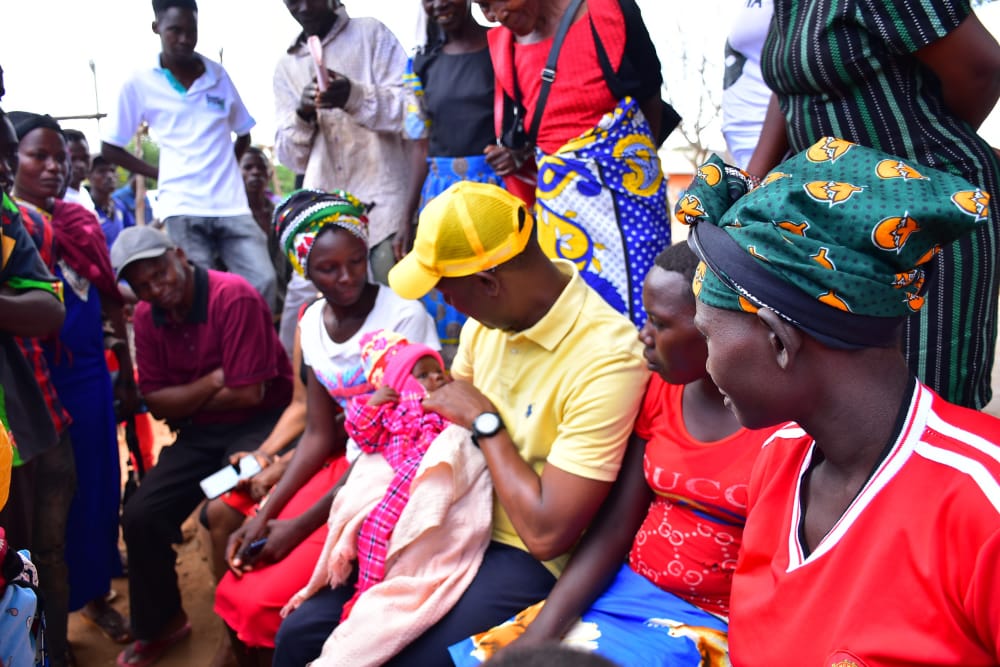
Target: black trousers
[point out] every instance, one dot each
(152, 517)
(508, 580)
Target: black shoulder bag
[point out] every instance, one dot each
(515, 136)
(626, 81)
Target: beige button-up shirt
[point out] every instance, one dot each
(359, 148)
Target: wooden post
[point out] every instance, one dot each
(275, 183)
(140, 180)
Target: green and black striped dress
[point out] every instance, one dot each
(847, 68)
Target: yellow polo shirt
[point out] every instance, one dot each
(568, 389)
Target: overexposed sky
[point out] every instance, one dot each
(47, 46)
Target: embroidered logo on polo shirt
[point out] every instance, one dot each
(216, 101)
(844, 659)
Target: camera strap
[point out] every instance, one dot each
(548, 72)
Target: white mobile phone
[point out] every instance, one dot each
(219, 482)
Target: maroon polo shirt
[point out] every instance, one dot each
(229, 326)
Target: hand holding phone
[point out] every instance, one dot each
(224, 480)
(253, 549)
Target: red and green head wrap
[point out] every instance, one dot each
(302, 215)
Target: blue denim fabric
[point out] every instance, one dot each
(237, 242)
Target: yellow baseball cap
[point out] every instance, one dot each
(470, 227)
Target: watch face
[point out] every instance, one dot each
(487, 424)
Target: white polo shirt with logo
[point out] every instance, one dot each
(199, 174)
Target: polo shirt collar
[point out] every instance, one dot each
(199, 305)
(338, 27)
(208, 78)
(549, 331)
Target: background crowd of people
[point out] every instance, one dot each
(472, 375)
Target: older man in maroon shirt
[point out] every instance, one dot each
(211, 365)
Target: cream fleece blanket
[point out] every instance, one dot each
(434, 553)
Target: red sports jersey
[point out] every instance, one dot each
(910, 573)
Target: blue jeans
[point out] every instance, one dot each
(236, 241)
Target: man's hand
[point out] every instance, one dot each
(402, 240)
(337, 91)
(307, 103)
(459, 402)
(218, 378)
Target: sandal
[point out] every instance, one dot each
(142, 653)
(107, 619)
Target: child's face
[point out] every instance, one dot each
(428, 372)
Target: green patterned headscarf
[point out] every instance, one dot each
(836, 240)
(302, 215)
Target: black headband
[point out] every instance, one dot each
(833, 327)
(25, 121)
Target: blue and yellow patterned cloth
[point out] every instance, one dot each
(634, 624)
(601, 202)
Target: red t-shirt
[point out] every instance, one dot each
(909, 575)
(229, 326)
(690, 538)
(579, 96)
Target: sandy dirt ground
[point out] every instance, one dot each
(93, 649)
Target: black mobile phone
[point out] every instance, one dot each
(254, 548)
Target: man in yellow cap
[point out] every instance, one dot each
(549, 379)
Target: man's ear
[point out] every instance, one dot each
(785, 339)
(156, 27)
(489, 283)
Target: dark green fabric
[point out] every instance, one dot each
(849, 226)
(849, 68)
